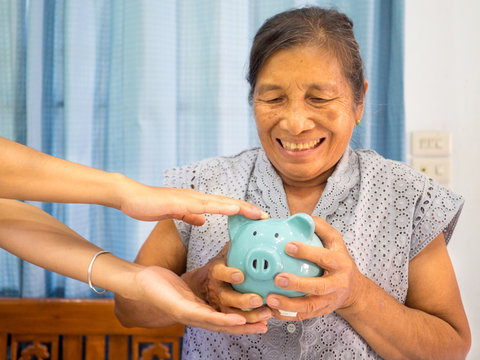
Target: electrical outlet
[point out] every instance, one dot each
(438, 168)
(431, 143)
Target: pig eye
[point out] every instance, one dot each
(276, 235)
(254, 233)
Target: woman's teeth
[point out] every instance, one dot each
(299, 146)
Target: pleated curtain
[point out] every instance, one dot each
(138, 86)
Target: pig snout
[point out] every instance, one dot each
(263, 264)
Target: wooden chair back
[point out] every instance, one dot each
(78, 329)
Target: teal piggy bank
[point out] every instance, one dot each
(258, 249)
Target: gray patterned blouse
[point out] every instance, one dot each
(386, 212)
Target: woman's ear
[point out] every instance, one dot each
(303, 222)
(235, 222)
(360, 107)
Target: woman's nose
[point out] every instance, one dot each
(296, 119)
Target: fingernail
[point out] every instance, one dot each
(264, 216)
(273, 302)
(256, 301)
(265, 314)
(291, 248)
(241, 321)
(236, 277)
(263, 330)
(282, 281)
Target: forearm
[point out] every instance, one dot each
(27, 174)
(39, 239)
(36, 237)
(396, 331)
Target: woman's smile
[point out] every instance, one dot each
(299, 145)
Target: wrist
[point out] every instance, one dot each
(117, 275)
(119, 185)
(358, 301)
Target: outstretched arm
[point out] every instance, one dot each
(35, 236)
(27, 174)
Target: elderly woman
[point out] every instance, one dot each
(389, 289)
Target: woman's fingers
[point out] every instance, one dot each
(336, 288)
(323, 257)
(234, 299)
(227, 274)
(260, 315)
(226, 295)
(306, 307)
(228, 300)
(310, 285)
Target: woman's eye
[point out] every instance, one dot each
(317, 100)
(274, 100)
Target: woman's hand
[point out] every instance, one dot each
(171, 298)
(338, 288)
(215, 280)
(150, 203)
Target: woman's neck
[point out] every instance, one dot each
(303, 196)
(303, 199)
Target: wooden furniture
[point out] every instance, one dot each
(78, 329)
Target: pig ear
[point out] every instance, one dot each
(303, 221)
(235, 222)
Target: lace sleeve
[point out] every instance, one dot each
(437, 210)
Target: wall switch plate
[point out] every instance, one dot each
(431, 143)
(438, 168)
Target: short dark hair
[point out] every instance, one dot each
(326, 28)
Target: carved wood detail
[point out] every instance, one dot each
(36, 349)
(158, 349)
(25, 321)
(34, 346)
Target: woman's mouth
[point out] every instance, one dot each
(300, 146)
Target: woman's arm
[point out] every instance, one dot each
(32, 234)
(27, 174)
(164, 248)
(431, 325)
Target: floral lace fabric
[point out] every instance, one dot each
(386, 212)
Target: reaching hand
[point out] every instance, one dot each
(157, 203)
(168, 293)
(338, 288)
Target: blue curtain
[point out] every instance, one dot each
(140, 86)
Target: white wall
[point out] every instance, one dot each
(442, 92)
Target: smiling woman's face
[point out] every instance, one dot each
(305, 113)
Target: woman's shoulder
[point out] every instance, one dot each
(214, 170)
(245, 157)
(430, 206)
(376, 166)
